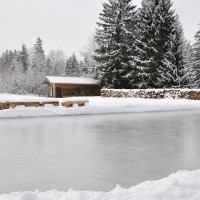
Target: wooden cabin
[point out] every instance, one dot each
(61, 87)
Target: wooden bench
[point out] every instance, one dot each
(67, 104)
(4, 106)
(7, 105)
(55, 103)
(81, 103)
(32, 104)
(26, 104)
(71, 103)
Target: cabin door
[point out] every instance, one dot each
(58, 92)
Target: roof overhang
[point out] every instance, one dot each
(46, 81)
(80, 81)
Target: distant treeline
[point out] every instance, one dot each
(23, 71)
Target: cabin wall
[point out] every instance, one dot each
(72, 90)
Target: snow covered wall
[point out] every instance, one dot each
(193, 94)
(183, 185)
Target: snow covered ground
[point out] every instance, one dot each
(97, 105)
(183, 185)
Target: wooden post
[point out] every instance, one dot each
(54, 90)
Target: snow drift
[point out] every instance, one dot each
(183, 185)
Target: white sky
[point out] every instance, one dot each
(67, 24)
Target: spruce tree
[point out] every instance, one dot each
(88, 66)
(38, 49)
(72, 66)
(188, 68)
(156, 33)
(24, 58)
(85, 66)
(38, 69)
(115, 39)
(177, 74)
(38, 60)
(147, 46)
(6, 62)
(196, 60)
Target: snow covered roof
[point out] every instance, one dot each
(70, 80)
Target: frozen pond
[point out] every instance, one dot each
(96, 152)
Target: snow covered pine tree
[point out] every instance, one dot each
(177, 75)
(196, 60)
(115, 39)
(160, 45)
(39, 60)
(24, 58)
(38, 67)
(72, 66)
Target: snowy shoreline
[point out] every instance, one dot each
(97, 105)
(183, 185)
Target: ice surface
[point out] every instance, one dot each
(96, 152)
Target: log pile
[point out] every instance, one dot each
(153, 93)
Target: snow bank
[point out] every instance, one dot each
(183, 185)
(97, 105)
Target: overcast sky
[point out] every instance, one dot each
(67, 24)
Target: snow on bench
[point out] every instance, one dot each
(73, 102)
(63, 103)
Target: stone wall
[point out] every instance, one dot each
(193, 94)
